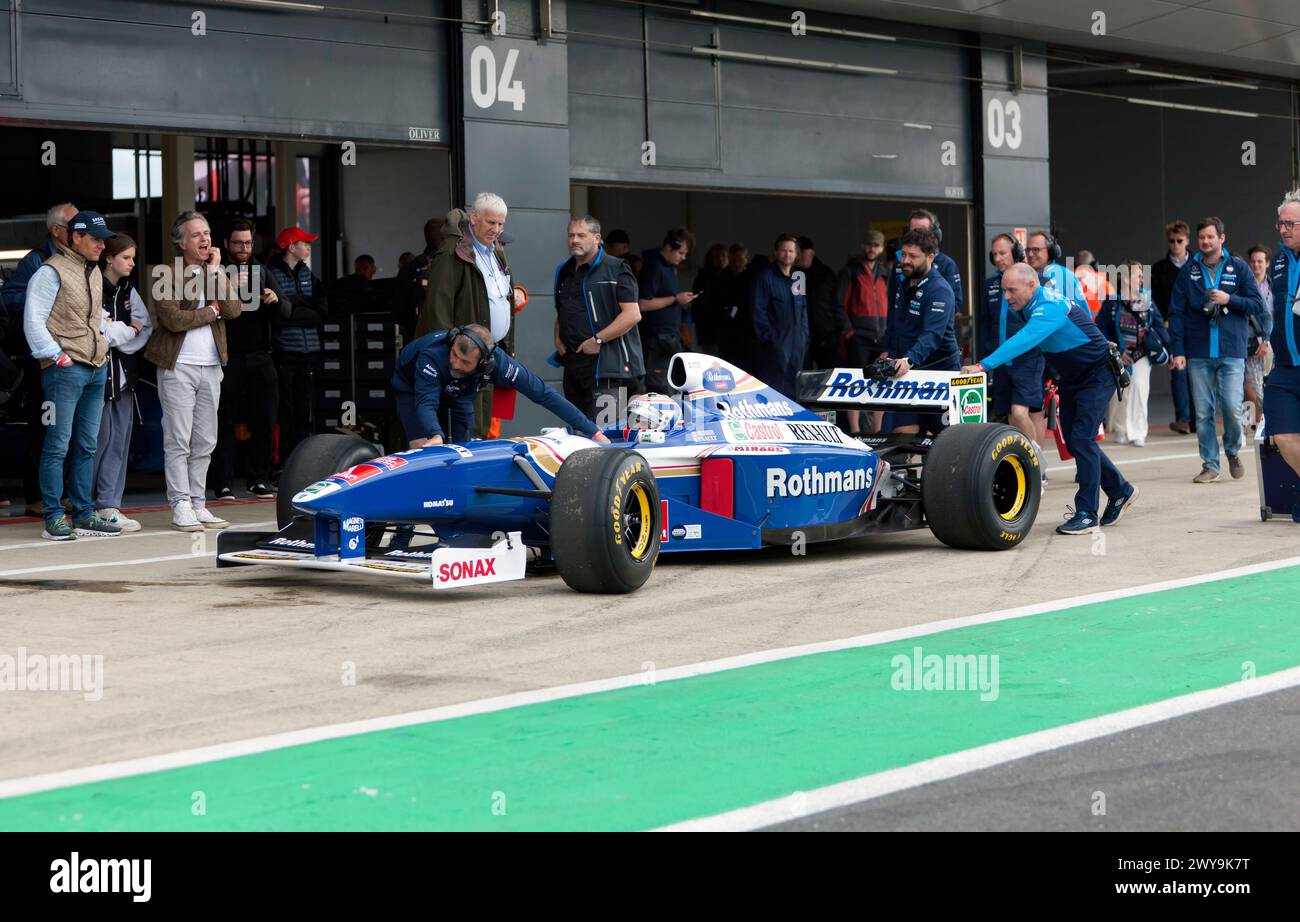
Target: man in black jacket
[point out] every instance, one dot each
(250, 387)
(1163, 276)
(296, 342)
(596, 334)
(411, 279)
(827, 322)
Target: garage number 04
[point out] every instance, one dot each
(485, 88)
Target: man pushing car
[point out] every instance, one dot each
(439, 374)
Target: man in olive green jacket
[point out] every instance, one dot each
(469, 282)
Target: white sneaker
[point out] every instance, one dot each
(184, 519)
(1139, 443)
(115, 517)
(208, 520)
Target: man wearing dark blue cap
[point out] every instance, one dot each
(63, 319)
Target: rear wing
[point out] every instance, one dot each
(962, 398)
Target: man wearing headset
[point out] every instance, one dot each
(1042, 253)
(1017, 387)
(439, 374)
(923, 219)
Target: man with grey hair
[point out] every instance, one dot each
(596, 316)
(14, 295)
(469, 282)
(1071, 342)
(1282, 387)
(189, 348)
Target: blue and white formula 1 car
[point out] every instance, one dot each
(726, 464)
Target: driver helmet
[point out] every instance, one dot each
(653, 411)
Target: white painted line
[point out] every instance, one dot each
(82, 542)
(111, 563)
(805, 803)
(1123, 461)
(30, 785)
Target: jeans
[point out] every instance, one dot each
(74, 398)
(1217, 384)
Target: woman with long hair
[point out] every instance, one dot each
(128, 331)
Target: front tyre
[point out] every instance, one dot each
(605, 520)
(315, 458)
(981, 486)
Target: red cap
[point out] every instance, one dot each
(291, 235)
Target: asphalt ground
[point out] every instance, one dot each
(1234, 768)
(196, 657)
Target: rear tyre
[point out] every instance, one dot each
(981, 486)
(605, 521)
(315, 458)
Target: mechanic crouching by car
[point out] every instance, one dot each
(1073, 345)
(439, 374)
(922, 332)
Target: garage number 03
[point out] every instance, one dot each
(1003, 123)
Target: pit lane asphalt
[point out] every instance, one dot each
(1232, 768)
(195, 656)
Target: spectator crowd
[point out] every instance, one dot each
(235, 344)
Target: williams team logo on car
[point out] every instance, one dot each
(718, 380)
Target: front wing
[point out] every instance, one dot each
(442, 567)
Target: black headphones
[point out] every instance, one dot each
(1053, 248)
(673, 242)
(1017, 249)
(934, 222)
(486, 363)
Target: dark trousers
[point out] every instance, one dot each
(861, 352)
(601, 400)
(659, 349)
(296, 373)
(249, 394)
(1083, 407)
(33, 413)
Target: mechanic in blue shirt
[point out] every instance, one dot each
(1081, 356)
(1282, 386)
(922, 219)
(1017, 387)
(1041, 253)
(922, 330)
(1214, 294)
(438, 375)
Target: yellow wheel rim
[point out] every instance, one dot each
(1021, 488)
(638, 501)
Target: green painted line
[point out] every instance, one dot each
(647, 756)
